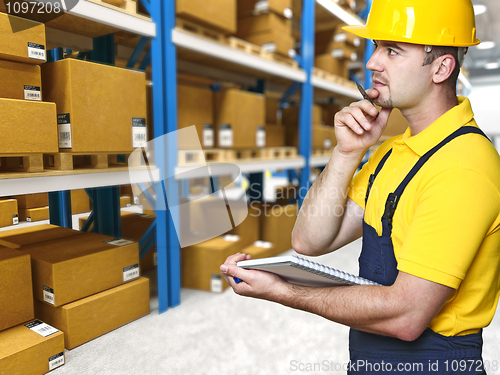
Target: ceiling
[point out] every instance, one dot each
(488, 29)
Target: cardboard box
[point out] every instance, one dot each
(80, 201)
(91, 317)
(201, 262)
(328, 40)
(272, 115)
(244, 112)
(195, 106)
(280, 7)
(291, 115)
(125, 202)
(217, 14)
(277, 225)
(34, 214)
(24, 351)
(28, 127)
(8, 213)
(272, 41)
(20, 81)
(23, 40)
(16, 294)
(328, 113)
(332, 65)
(249, 230)
(323, 137)
(396, 124)
(19, 237)
(275, 136)
(260, 249)
(266, 22)
(101, 106)
(72, 268)
(32, 200)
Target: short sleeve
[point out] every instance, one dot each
(359, 184)
(453, 214)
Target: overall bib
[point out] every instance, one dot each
(431, 353)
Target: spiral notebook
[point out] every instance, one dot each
(302, 271)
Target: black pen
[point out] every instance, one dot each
(365, 96)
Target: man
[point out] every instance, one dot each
(427, 205)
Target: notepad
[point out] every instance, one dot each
(302, 271)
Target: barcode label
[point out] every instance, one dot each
(139, 132)
(56, 361)
(119, 242)
(131, 272)
(260, 137)
(327, 143)
(36, 51)
(64, 130)
(15, 219)
(208, 136)
(32, 93)
(48, 295)
(28, 219)
(41, 328)
(269, 47)
(216, 284)
(263, 244)
(231, 237)
(225, 136)
(261, 6)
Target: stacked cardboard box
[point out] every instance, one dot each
(33, 207)
(275, 131)
(28, 125)
(8, 212)
(80, 201)
(277, 222)
(219, 15)
(77, 274)
(267, 24)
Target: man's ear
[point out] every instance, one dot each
(443, 67)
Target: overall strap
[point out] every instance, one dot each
(393, 199)
(374, 175)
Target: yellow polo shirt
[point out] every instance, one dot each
(446, 225)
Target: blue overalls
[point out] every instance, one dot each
(431, 353)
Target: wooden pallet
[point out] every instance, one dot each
(200, 31)
(125, 6)
(200, 157)
(318, 152)
(29, 163)
(67, 161)
(333, 78)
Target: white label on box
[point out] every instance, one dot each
(342, 37)
(56, 361)
(139, 132)
(48, 295)
(15, 219)
(64, 130)
(260, 137)
(338, 53)
(327, 143)
(136, 199)
(269, 47)
(263, 244)
(28, 219)
(118, 242)
(231, 237)
(261, 6)
(41, 328)
(208, 135)
(32, 93)
(36, 51)
(130, 272)
(216, 284)
(225, 136)
(288, 13)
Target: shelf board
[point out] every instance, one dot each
(319, 161)
(69, 180)
(250, 166)
(335, 9)
(336, 88)
(219, 51)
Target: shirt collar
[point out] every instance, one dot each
(452, 120)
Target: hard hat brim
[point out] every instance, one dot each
(368, 33)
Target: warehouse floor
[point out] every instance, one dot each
(224, 333)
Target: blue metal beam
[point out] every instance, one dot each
(147, 235)
(145, 61)
(146, 4)
(60, 209)
(88, 223)
(147, 247)
(139, 48)
(289, 93)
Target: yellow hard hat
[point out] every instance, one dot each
(429, 22)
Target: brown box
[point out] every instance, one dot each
(102, 102)
(328, 40)
(249, 229)
(71, 268)
(218, 14)
(20, 81)
(323, 136)
(201, 263)
(27, 127)
(332, 65)
(280, 7)
(396, 124)
(19, 237)
(291, 115)
(24, 351)
(32, 200)
(80, 201)
(260, 249)
(22, 40)
(272, 116)
(329, 111)
(275, 136)
(277, 225)
(34, 214)
(16, 295)
(8, 212)
(195, 106)
(125, 201)
(266, 22)
(272, 41)
(91, 317)
(244, 111)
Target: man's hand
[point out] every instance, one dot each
(357, 127)
(256, 284)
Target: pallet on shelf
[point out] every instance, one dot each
(28, 163)
(333, 78)
(318, 152)
(199, 157)
(125, 6)
(66, 161)
(200, 31)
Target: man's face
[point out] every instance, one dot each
(398, 74)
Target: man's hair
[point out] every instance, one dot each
(438, 51)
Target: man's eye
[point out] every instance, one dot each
(392, 52)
